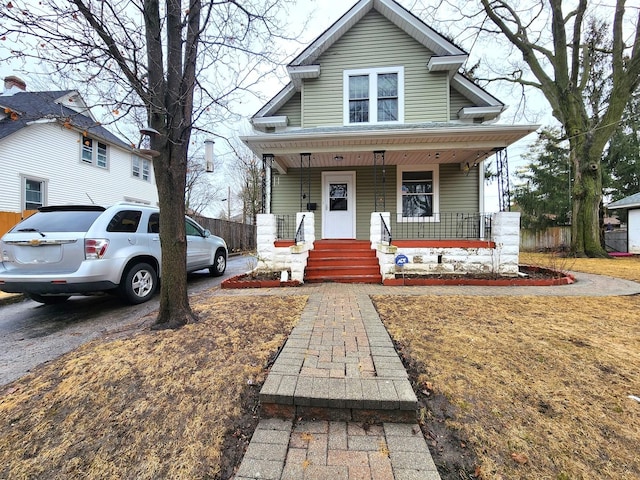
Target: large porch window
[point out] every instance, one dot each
(374, 95)
(417, 191)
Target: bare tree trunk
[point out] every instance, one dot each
(174, 301)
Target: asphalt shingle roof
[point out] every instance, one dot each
(32, 106)
(626, 202)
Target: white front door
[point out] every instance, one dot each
(339, 205)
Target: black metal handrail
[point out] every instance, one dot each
(442, 226)
(385, 233)
(300, 232)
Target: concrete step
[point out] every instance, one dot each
(375, 279)
(342, 253)
(342, 261)
(339, 399)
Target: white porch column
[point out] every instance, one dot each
(309, 227)
(375, 227)
(505, 230)
(266, 234)
(385, 252)
(299, 253)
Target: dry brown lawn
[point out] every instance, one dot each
(154, 405)
(620, 267)
(540, 385)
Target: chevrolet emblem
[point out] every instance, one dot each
(35, 242)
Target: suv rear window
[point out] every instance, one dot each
(125, 221)
(58, 221)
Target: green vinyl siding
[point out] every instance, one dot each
(459, 191)
(286, 194)
(292, 109)
(457, 101)
(375, 42)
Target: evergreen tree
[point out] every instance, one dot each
(622, 159)
(543, 189)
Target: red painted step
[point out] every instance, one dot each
(343, 261)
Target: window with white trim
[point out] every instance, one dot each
(34, 193)
(374, 95)
(141, 168)
(417, 191)
(94, 152)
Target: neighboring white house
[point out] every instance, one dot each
(53, 152)
(632, 204)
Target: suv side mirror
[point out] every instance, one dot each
(207, 233)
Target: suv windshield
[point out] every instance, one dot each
(58, 221)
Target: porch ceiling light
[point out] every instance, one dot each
(338, 158)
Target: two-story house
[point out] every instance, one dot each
(54, 152)
(378, 131)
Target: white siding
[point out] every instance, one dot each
(51, 153)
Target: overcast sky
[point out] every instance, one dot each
(320, 15)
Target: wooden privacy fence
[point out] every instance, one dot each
(9, 219)
(559, 239)
(240, 237)
(549, 239)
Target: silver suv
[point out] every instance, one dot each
(77, 250)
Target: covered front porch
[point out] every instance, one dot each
(415, 193)
(343, 174)
(490, 247)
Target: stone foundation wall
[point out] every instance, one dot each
(499, 257)
(292, 257)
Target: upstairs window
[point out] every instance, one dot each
(374, 95)
(94, 152)
(358, 98)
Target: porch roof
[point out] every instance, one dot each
(426, 143)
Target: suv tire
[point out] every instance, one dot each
(219, 264)
(138, 284)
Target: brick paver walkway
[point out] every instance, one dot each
(340, 346)
(337, 400)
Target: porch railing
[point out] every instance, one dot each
(385, 233)
(442, 226)
(286, 226)
(300, 232)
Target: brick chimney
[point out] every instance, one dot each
(13, 84)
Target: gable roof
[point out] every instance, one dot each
(632, 201)
(447, 55)
(51, 106)
(391, 10)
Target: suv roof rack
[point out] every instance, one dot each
(72, 208)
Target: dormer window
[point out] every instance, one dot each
(94, 152)
(374, 95)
